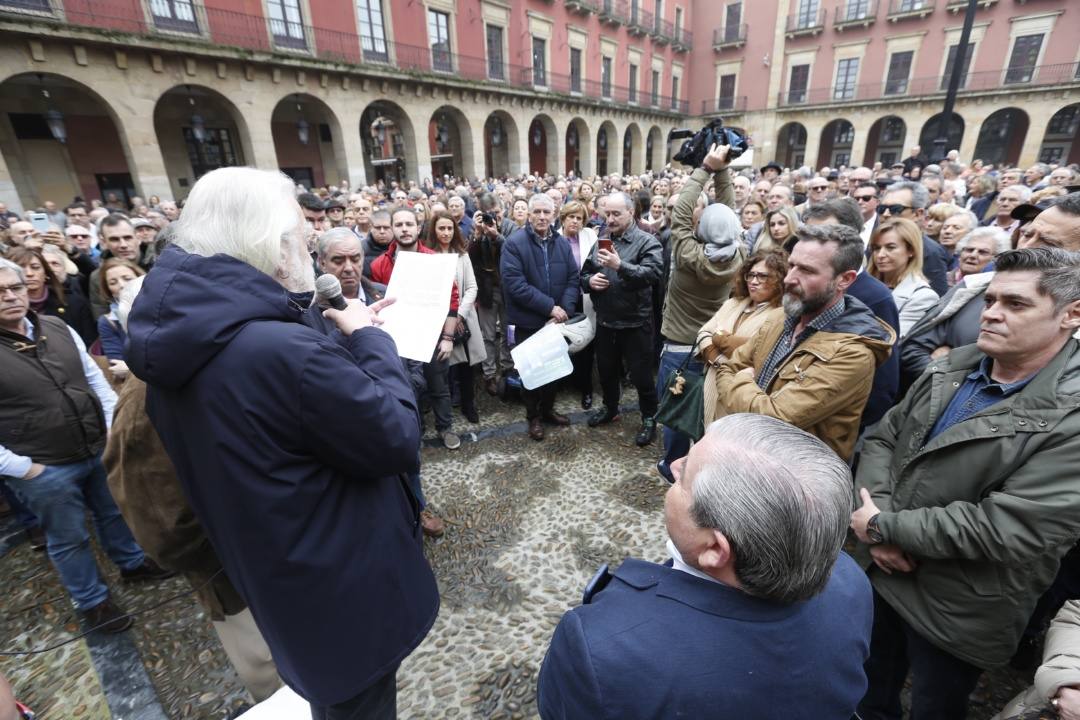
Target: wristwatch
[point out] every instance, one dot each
(872, 531)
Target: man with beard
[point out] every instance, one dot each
(812, 364)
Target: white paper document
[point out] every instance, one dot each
(543, 358)
(420, 285)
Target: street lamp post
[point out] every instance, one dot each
(945, 123)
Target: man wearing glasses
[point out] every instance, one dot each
(816, 194)
(866, 195)
(909, 200)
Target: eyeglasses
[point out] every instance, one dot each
(819, 187)
(758, 277)
(976, 251)
(894, 209)
(81, 236)
(17, 289)
(865, 198)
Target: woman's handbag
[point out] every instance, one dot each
(682, 404)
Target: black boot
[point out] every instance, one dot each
(647, 433)
(464, 374)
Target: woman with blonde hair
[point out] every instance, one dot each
(759, 287)
(779, 230)
(896, 259)
(936, 215)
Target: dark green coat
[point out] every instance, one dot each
(987, 508)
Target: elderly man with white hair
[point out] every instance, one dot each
(293, 447)
(757, 615)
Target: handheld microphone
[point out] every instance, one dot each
(328, 290)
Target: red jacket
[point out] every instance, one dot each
(382, 268)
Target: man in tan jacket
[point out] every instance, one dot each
(814, 365)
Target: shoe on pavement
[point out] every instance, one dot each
(586, 401)
(647, 433)
(38, 541)
(470, 414)
(491, 384)
(149, 570)
(107, 618)
(536, 429)
(554, 418)
(450, 440)
(432, 524)
(603, 416)
(665, 472)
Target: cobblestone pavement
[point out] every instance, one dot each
(527, 525)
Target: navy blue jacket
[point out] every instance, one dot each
(661, 643)
(935, 265)
(875, 295)
(536, 277)
(293, 450)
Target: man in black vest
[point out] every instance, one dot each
(53, 425)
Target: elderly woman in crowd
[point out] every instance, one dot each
(779, 230)
(77, 312)
(977, 249)
(572, 218)
(936, 215)
(953, 228)
(519, 212)
(759, 286)
(444, 236)
(896, 259)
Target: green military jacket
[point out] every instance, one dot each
(987, 508)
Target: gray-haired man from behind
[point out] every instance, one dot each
(758, 612)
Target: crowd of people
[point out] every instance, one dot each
(904, 332)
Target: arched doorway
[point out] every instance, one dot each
(1001, 137)
(931, 131)
(308, 142)
(198, 130)
(543, 151)
(791, 145)
(1060, 143)
(61, 141)
(633, 162)
(834, 148)
(500, 145)
(578, 148)
(654, 149)
(449, 143)
(885, 143)
(604, 137)
(389, 143)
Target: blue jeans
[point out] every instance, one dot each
(21, 512)
(676, 445)
(60, 497)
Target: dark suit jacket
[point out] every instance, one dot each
(661, 643)
(875, 295)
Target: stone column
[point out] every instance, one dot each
(144, 159)
(9, 195)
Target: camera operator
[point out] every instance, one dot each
(490, 230)
(706, 252)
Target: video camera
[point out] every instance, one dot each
(694, 150)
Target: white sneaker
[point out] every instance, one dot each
(450, 440)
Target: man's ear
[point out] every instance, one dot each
(845, 279)
(717, 555)
(1071, 320)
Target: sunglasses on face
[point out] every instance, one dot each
(865, 198)
(895, 209)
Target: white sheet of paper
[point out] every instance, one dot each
(543, 358)
(282, 705)
(420, 285)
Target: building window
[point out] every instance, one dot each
(1051, 155)
(285, 23)
(39, 5)
(215, 151)
(658, 19)
(538, 54)
(372, 30)
(808, 13)
(494, 35)
(575, 70)
(727, 92)
(800, 77)
(171, 15)
(1024, 56)
(632, 94)
(899, 72)
(893, 132)
(950, 62)
(674, 92)
(846, 70)
(655, 99)
(857, 9)
(844, 135)
(439, 36)
(605, 77)
(1065, 122)
(678, 24)
(732, 21)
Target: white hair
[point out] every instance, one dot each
(126, 299)
(241, 212)
(335, 235)
(6, 264)
(541, 199)
(996, 235)
(1022, 192)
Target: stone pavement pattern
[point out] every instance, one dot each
(527, 525)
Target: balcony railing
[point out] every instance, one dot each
(957, 6)
(614, 12)
(729, 36)
(641, 21)
(729, 104)
(242, 31)
(805, 23)
(1058, 74)
(851, 13)
(682, 40)
(904, 9)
